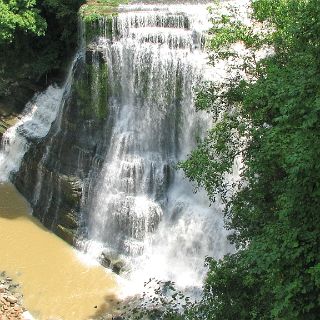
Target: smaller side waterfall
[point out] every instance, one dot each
(35, 123)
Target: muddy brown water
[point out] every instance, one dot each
(56, 283)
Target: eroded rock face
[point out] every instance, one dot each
(15, 92)
(54, 172)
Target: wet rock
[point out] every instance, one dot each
(112, 261)
(3, 127)
(12, 299)
(105, 261)
(117, 266)
(67, 234)
(73, 153)
(70, 220)
(71, 189)
(92, 51)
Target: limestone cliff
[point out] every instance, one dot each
(54, 171)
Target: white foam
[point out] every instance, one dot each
(35, 124)
(154, 60)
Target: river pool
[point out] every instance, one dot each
(57, 282)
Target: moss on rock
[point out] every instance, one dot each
(93, 10)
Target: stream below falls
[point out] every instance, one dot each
(55, 282)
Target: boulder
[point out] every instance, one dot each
(117, 266)
(105, 260)
(11, 299)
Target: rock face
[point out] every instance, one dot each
(3, 126)
(54, 172)
(14, 93)
(7, 119)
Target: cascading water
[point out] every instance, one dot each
(34, 124)
(98, 156)
(140, 208)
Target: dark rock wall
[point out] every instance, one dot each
(55, 172)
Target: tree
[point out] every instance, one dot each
(19, 15)
(37, 38)
(271, 118)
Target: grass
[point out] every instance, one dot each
(93, 9)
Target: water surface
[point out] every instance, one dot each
(56, 283)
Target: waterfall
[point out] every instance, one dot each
(96, 158)
(33, 125)
(140, 208)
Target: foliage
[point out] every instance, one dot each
(36, 38)
(19, 15)
(160, 301)
(95, 9)
(271, 118)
